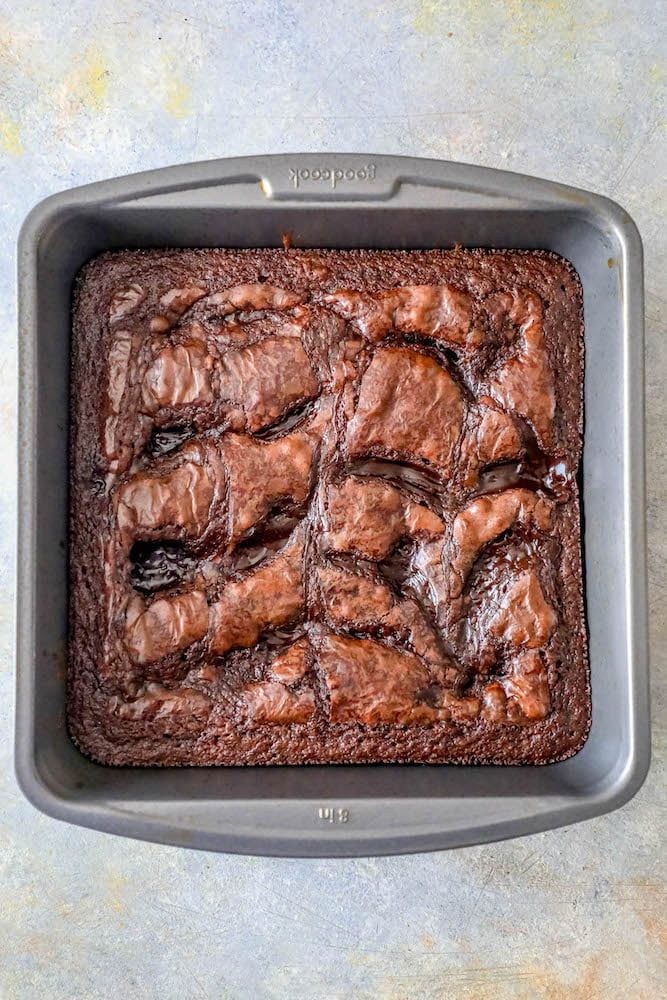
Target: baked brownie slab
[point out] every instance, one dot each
(325, 509)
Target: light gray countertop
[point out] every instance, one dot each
(571, 91)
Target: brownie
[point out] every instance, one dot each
(324, 508)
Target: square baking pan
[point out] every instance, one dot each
(337, 201)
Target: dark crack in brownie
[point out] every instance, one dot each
(325, 508)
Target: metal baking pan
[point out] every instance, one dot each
(337, 201)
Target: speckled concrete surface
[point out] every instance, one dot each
(570, 91)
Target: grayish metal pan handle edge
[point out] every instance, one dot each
(327, 178)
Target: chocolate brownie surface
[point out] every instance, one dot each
(325, 508)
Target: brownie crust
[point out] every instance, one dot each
(324, 508)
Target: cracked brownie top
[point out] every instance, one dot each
(325, 508)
